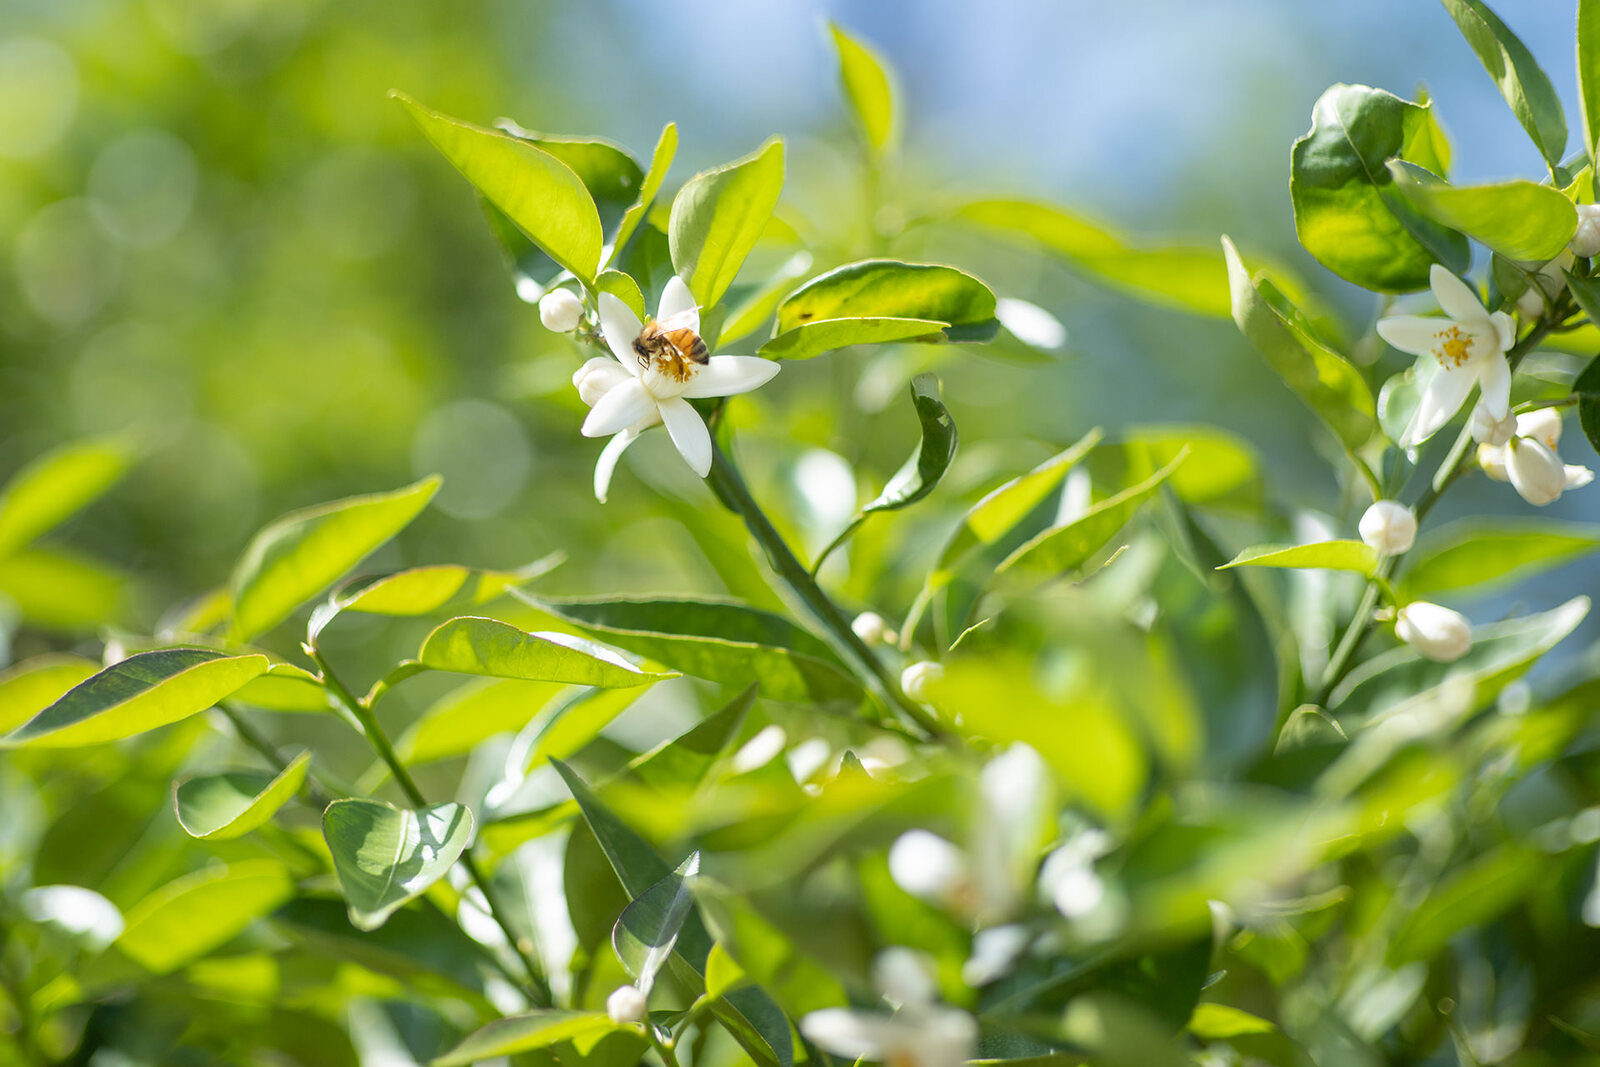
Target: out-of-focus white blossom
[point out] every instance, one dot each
(1389, 526)
(922, 1033)
(627, 1004)
(1586, 240)
(560, 310)
(915, 679)
(870, 627)
(1436, 632)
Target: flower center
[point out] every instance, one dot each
(673, 353)
(1453, 347)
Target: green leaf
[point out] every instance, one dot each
(1068, 546)
(528, 1032)
(140, 693)
(297, 556)
(385, 856)
(57, 486)
(1587, 389)
(1520, 219)
(1218, 1022)
(571, 724)
(612, 176)
(921, 472)
(1468, 899)
(865, 78)
(647, 930)
(443, 588)
(751, 311)
(29, 687)
(61, 590)
(537, 191)
(1331, 386)
(222, 806)
(660, 162)
(1589, 72)
(461, 719)
(723, 641)
(1345, 214)
(489, 647)
(889, 289)
(1354, 556)
(1222, 470)
(1491, 552)
(284, 687)
(190, 916)
(722, 972)
(826, 335)
(1520, 80)
(419, 946)
(624, 288)
(718, 216)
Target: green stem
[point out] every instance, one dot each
(844, 535)
(374, 733)
(255, 739)
(731, 489)
(663, 1048)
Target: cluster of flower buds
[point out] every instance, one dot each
(1525, 455)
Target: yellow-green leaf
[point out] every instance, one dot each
(718, 216)
(865, 78)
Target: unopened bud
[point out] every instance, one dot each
(1490, 430)
(870, 627)
(560, 310)
(1492, 458)
(1578, 477)
(1535, 471)
(916, 679)
(1543, 425)
(595, 378)
(1436, 632)
(1586, 241)
(1389, 526)
(627, 1004)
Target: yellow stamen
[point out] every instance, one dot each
(1454, 348)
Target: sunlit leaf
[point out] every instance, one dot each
(718, 216)
(865, 78)
(888, 289)
(1519, 219)
(1589, 74)
(489, 647)
(528, 1032)
(385, 856)
(140, 693)
(1491, 552)
(1218, 1022)
(625, 289)
(444, 588)
(62, 590)
(1517, 74)
(660, 161)
(222, 806)
(192, 915)
(34, 684)
(1467, 901)
(57, 486)
(297, 556)
(1355, 556)
(469, 714)
(647, 930)
(921, 472)
(750, 312)
(826, 335)
(284, 687)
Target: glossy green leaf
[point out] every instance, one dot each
(722, 972)
(1589, 73)
(625, 289)
(385, 856)
(1519, 219)
(722, 641)
(529, 1032)
(888, 288)
(222, 806)
(284, 687)
(1222, 471)
(61, 590)
(750, 312)
(660, 162)
(190, 916)
(57, 486)
(826, 335)
(1356, 556)
(921, 472)
(1520, 80)
(140, 693)
(541, 194)
(419, 946)
(1068, 546)
(612, 176)
(297, 556)
(461, 719)
(647, 930)
(718, 216)
(489, 647)
(865, 78)
(1331, 386)
(29, 687)
(1218, 1022)
(439, 589)
(1476, 553)
(1586, 387)
(569, 725)
(1344, 211)
(685, 762)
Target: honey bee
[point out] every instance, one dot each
(671, 346)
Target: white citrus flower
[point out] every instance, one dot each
(1529, 460)
(659, 368)
(1389, 526)
(560, 310)
(1586, 241)
(922, 1033)
(627, 1004)
(1437, 633)
(915, 679)
(1490, 430)
(1470, 345)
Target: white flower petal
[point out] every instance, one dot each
(598, 377)
(1535, 472)
(1494, 382)
(606, 465)
(688, 432)
(676, 299)
(856, 1034)
(731, 375)
(620, 327)
(1411, 333)
(1578, 477)
(1505, 329)
(1446, 391)
(618, 409)
(1455, 296)
(926, 865)
(906, 977)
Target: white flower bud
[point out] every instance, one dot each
(870, 627)
(916, 679)
(560, 310)
(1543, 425)
(927, 866)
(1437, 633)
(1492, 458)
(1535, 472)
(596, 378)
(1586, 241)
(1490, 430)
(1530, 305)
(1389, 526)
(906, 977)
(627, 1004)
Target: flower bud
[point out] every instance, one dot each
(916, 679)
(560, 310)
(1535, 471)
(1543, 425)
(870, 627)
(1437, 633)
(595, 378)
(927, 866)
(1492, 458)
(1586, 241)
(1531, 303)
(1490, 430)
(627, 1004)
(1389, 526)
